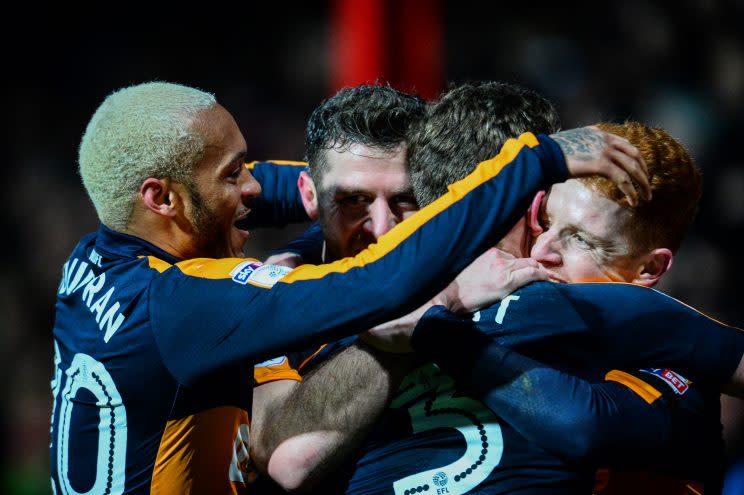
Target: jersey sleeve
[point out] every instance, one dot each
(628, 418)
(656, 328)
(309, 246)
(211, 314)
(279, 202)
(630, 326)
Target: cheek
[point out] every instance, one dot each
(340, 223)
(582, 267)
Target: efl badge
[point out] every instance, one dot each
(677, 382)
(267, 275)
(243, 271)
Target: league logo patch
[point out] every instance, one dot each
(677, 382)
(440, 479)
(243, 271)
(267, 275)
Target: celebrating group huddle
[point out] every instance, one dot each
(472, 312)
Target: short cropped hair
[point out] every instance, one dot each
(139, 132)
(676, 186)
(377, 116)
(469, 124)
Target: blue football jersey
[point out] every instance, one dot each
(154, 356)
(437, 437)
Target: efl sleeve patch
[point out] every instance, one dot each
(267, 275)
(258, 274)
(244, 270)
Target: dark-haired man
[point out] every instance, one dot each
(359, 187)
(426, 396)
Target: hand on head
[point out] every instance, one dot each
(591, 151)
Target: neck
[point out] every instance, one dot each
(166, 235)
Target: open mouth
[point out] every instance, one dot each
(242, 224)
(243, 232)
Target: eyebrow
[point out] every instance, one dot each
(336, 190)
(598, 241)
(239, 156)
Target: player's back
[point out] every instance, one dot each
(121, 423)
(436, 439)
(433, 438)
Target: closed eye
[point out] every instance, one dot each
(406, 201)
(235, 173)
(353, 201)
(582, 240)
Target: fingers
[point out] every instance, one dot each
(621, 178)
(590, 150)
(497, 253)
(526, 274)
(492, 282)
(625, 146)
(633, 167)
(525, 270)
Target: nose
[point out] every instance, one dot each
(546, 249)
(381, 218)
(249, 187)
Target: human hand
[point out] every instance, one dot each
(492, 276)
(291, 260)
(590, 151)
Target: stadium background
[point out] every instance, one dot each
(679, 65)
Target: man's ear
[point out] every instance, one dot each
(159, 197)
(309, 194)
(653, 266)
(533, 214)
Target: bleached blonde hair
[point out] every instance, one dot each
(138, 132)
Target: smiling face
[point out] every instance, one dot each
(222, 187)
(364, 193)
(581, 236)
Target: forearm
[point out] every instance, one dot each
(299, 463)
(564, 414)
(329, 414)
(279, 202)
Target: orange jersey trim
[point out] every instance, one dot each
(307, 360)
(283, 371)
(158, 264)
(643, 389)
(485, 171)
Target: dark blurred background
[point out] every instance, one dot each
(677, 65)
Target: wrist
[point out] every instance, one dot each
(447, 299)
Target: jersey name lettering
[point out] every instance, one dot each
(78, 274)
